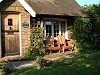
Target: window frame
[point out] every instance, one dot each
(52, 26)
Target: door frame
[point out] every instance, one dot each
(19, 35)
(20, 41)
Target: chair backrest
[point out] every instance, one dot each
(61, 39)
(50, 40)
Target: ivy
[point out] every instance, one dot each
(36, 47)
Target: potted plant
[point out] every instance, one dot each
(3, 68)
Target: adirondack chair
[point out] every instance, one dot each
(51, 44)
(65, 44)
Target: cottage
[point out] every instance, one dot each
(17, 17)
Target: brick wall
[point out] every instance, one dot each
(15, 6)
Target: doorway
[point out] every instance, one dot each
(10, 34)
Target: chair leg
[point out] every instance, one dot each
(73, 47)
(59, 51)
(70, 48)
(63, 50)
(50, 51)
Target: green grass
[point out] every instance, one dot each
(81, 64)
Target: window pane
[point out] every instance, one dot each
(9, 21)
(48, 23)
(38, 23)
(48, 28)
(56, 28)
(63, 28)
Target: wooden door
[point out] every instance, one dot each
(10, 34)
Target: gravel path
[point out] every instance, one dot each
(30, 63)
(20, 64)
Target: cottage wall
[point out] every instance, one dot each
(13, 6)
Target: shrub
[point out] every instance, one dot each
(36, 47)
(82, 29)
(3, 66)
(82, 33)
(4, 69)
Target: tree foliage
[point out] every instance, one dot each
(82, 29)
(94, 13)
(87, 30)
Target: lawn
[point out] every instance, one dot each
(80, 64)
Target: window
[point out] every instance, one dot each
(55, 28)
(62, 28)
(38, 23)
(10, 23)
(48, 28)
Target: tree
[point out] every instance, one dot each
(87, 30)
(94, 13)
(82, 29)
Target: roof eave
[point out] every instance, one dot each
(28, 8)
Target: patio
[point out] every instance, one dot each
(59, 44)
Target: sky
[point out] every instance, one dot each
(87, 2)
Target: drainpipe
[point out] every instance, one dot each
(0, 38)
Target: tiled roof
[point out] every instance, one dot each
(57, 7)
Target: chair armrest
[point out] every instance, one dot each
(67, 39)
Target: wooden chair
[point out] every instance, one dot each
(51, 44)
(65, 44)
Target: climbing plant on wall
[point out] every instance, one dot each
(36, 47)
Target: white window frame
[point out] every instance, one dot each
(52, 26)
(59, 28)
